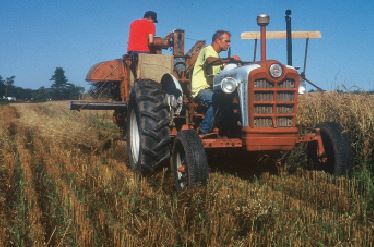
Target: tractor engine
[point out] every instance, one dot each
(257, 97)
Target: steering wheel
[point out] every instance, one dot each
(239, 62)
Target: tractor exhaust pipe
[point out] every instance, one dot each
(263, 20)
(287, 17)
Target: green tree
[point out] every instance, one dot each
(42, 94)
(60, 86)
(9, 85)
(61, 89)
(22, 93)
(2, 86)
(59, 79)
(9, 81)
(75, 92)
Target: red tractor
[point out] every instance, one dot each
(255, 108)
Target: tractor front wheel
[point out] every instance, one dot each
(189, 164)
(339, 155)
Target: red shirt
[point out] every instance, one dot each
(138, 35)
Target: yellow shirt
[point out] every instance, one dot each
(202, 74)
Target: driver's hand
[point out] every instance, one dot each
(236, 58)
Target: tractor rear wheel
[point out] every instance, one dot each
(339, 155)
(189, 164)
(148, 130)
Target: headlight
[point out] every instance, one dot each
(276, 70)
(229, 84)
(302, 87)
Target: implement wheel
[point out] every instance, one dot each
(339, 155)
(147, 127)
(189, 165)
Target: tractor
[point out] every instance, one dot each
(255, 108)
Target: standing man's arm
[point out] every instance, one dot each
(150, 40)
(151, 33)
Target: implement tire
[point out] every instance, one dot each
(339, 155)
(148, 132)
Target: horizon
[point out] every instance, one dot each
(40, 36)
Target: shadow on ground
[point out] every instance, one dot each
(246, 165)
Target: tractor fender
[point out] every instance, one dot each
(173, 92)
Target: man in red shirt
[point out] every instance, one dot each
(141, 33)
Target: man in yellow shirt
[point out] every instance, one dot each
(207, 65)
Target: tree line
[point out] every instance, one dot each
(60, 89)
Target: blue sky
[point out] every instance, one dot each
(36, 36)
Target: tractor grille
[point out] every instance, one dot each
(274, 103)
(285, 96)
(288, 83)
(264, 96)
(284, 121)
(263, 122)
(284, 108)
(263, 108)
(263, 83)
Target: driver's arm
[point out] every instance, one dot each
(219, 61)
(215, 61)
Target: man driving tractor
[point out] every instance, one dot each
(209, 64)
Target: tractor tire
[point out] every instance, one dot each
(189, 164)
(148, 132)
(339, 155)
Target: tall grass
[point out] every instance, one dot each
(77, 191)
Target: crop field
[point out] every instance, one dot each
(64, 182)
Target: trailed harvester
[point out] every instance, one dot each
(255, 108)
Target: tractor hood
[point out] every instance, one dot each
(232, 78)
(232, 72)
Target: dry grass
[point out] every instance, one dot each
(64, 182)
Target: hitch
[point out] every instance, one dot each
(315, 137)
(106, 105)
